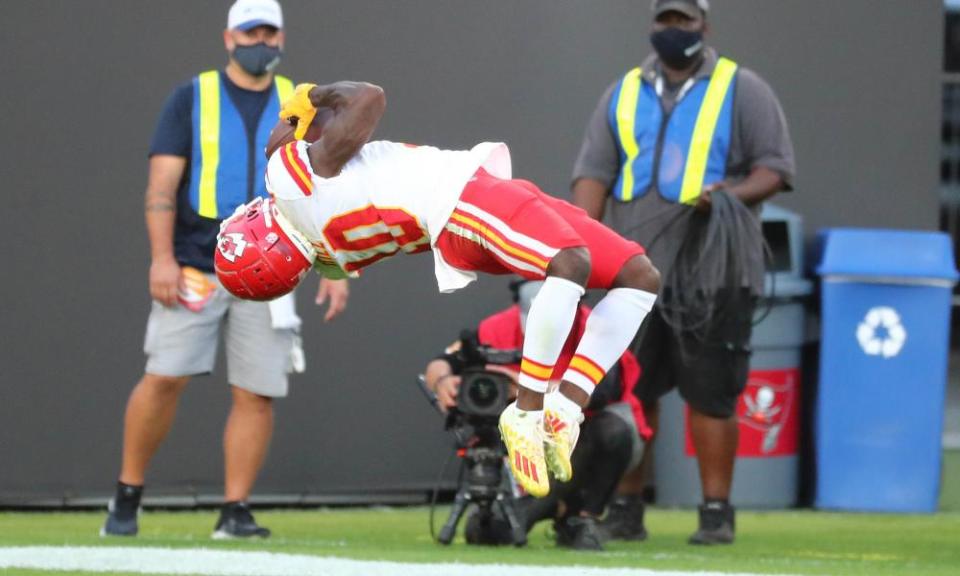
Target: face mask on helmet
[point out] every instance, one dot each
(260, 256)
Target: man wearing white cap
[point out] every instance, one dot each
(206, 159)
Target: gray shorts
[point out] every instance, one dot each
(184, 343)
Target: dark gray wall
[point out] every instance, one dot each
(84, 82)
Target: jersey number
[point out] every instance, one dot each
(371, 234)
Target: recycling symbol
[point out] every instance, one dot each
(880, 333)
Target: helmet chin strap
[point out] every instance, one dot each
(299, 241)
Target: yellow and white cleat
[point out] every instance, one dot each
(523, 436)
(561, 431)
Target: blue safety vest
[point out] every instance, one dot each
(680, 152)
(220, 175)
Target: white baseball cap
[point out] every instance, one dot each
(247, 14)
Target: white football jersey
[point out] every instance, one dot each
(390, 197)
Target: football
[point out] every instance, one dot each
(283, 131)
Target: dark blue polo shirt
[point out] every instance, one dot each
(195, 237)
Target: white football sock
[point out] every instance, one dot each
(548, 326)
(610, 328)
(558, 402)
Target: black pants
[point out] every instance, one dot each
(599, 461)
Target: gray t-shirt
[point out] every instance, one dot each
(760, 137)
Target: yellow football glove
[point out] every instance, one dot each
(299, 106)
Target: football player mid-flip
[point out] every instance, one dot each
(343, 202)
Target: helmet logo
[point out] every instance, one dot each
(231, 246)
(272, 238)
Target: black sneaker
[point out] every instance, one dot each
(531, 510)
(624, 519)
(120, 522)
(717, 524)
(236, 521)
(123, 510)
(579, 533)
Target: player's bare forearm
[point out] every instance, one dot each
(339, 94)
(591, 195)
(357, 107)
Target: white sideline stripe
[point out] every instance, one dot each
(241, 563)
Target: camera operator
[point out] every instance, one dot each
(611, 438)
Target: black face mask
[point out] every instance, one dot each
(257, 59)
(677, 48)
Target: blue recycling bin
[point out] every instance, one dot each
(883, 368)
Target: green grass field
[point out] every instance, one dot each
(791, 542)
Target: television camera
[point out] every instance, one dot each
(483, 395)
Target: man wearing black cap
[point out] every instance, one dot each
(685, 130)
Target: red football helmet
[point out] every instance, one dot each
(260, 256)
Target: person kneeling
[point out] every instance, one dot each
(611, 437)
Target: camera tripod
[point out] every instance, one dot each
(482, 475)
(483, 485)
